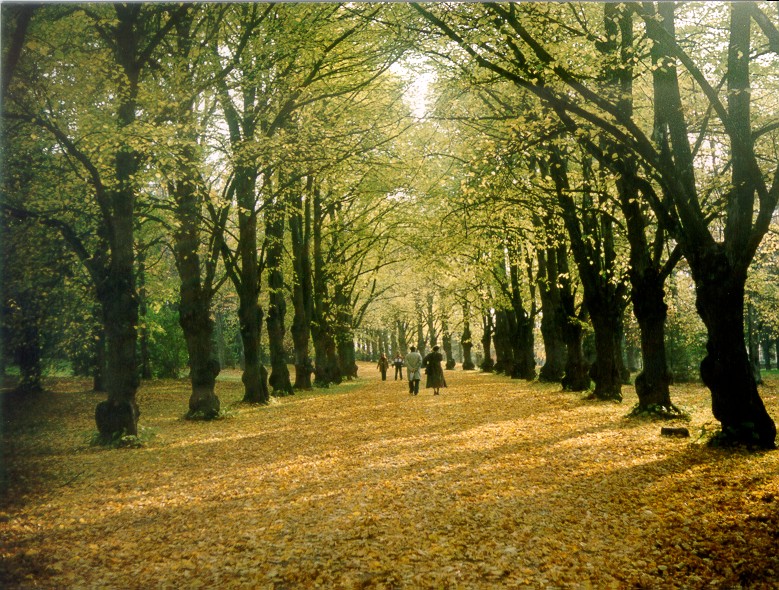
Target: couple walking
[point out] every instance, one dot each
(432, 363)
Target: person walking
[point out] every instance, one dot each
(398, 364)
(383, 366)
(413, 366)
(435, 374)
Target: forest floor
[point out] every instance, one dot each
(493, 484)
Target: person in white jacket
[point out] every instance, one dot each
(413, 370)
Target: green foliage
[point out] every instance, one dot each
(167, 348)
(685, 336)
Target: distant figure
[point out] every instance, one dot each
(413, 366)
(383, 366)
(398, 363)
(435, 374)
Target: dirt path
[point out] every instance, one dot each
(495, 483)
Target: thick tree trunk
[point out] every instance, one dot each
(726, 370)
(605, 371)
(194, 310)
(195, 306)
(28, 354)
(421, 344)
(255, 376)
(402, 336)
(648, 297)
(277, 306)
(118, 415)
(465, 340)
(143, 329)
(652, 384)
(487, 365)
(302, 289)
(501, 337)
(522, 349)
(99, 370)
(203, 367)
(577, 371)
(765, 344)
(552, 317)
(446, 339)
(346, 355)
(327, 370)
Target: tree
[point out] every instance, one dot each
(122, 39)
(669, 180)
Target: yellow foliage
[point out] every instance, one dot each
(494, 483)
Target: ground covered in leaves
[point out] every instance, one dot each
(494, 483)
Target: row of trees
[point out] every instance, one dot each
(578, 157)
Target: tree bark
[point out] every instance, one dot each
(118, 415)
(302, 288)
(327, 369)
(726, 369)
(142, 308)
(250, 313)
(603, 293)
(465, 340)
(195, 302)
(551, 317)
(487, 365)
(277, 305)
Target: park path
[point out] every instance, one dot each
(494, 483)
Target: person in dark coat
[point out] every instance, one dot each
(398, 363)
(435, 374)
(383, 366)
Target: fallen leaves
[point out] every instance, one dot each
(494, 483)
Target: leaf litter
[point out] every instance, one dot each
(494, 483)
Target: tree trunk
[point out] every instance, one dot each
(753, 345)
(402, 338)
(726, 370)
(144, 328)
(521, 329)
(302, 289)
(648, 296)
(551, 317)
(118, 415)
(605, 371)
(465, 340)
(195, 303)
(327, 369)
(247, 282)
(277, 306)
(28, 353)
(652, 384)
(99, 370)
(765, 344)
(255, 376)
(577, 371)
(198, 328)
(346, 355)
(487, 365)
(446, 340)
(504, 361)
